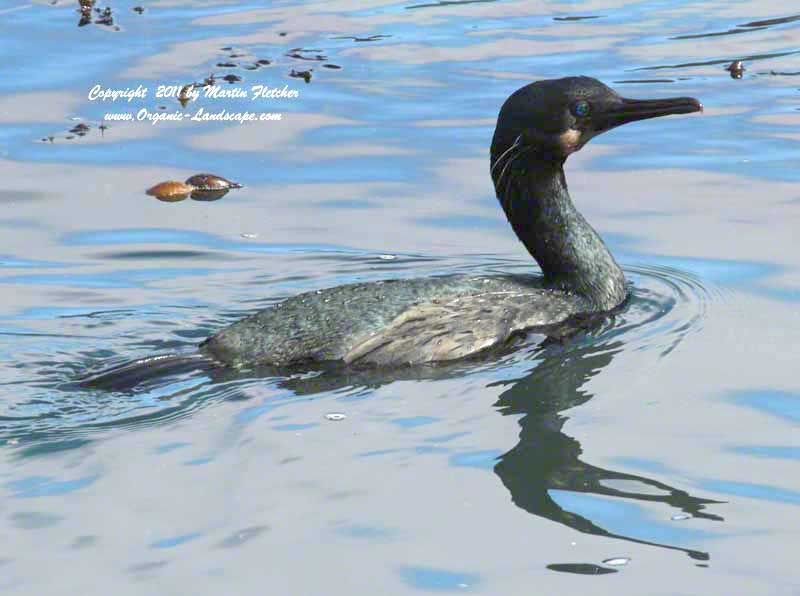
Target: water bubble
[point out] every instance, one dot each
(336, 416)
(680, 517)
(249, 236)
(387, 257)
(617, 561)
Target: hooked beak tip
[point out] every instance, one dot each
(694, 105)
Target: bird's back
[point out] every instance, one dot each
(394, 322)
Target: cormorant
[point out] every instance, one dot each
(435, 319)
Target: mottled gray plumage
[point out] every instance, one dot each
(393, 322)
(445, 318)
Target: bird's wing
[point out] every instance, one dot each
(455, 328)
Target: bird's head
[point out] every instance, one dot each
(549, 120)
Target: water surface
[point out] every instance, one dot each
(656, 454)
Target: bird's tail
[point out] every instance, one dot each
(130, 374)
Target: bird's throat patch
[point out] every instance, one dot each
(569, 140)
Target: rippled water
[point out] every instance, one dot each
(657, 453)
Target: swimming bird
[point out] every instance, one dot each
(437, 319)
(444, 318)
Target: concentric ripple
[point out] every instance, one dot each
(665, 306)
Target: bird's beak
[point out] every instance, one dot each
(630, 110)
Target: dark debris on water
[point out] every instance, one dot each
(736, 68)
(102, 16)
(581, 568)
(577, 18)
(81, 129)
(362, 39)
(300, 54)
(301, 74)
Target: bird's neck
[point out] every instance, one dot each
(571, 254)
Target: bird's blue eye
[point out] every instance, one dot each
(581, 108)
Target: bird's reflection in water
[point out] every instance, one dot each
(546, 459)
